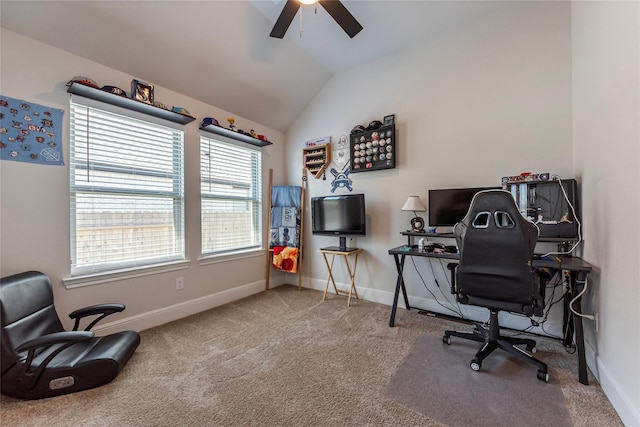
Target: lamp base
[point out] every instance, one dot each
(417, 225)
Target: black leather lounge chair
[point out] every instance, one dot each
(39, 358)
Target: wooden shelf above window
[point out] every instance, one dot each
(131, 104)
(235, 135)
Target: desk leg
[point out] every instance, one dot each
(330, 278)
(399, 285)
(573, 323)
(567, 317)
(578, 279)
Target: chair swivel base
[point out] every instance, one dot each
(492, 340)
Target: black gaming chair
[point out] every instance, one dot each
(495, 271)
(39, 359)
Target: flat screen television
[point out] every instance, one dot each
(449, 206)
(341, 216)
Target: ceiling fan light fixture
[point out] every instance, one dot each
(335, 8)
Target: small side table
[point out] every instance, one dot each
(352, 274)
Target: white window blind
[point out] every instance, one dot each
(231, 197)
(127, 191)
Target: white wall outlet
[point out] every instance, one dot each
(179, 283)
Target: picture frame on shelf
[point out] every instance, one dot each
(141, 91)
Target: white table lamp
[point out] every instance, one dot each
(414, 204)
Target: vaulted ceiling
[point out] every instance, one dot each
(220, 52)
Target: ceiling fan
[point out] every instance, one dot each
(335, 8)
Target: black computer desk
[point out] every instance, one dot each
(576, 269)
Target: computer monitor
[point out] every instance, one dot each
(449, 206)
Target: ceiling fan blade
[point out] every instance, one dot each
(284, 20)
(342, 16)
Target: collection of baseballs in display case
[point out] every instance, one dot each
(373, 150)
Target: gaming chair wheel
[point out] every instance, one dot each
(532, 349)
(475, 365)
(446, 339)
(543, 376)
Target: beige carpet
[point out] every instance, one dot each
(281, 357)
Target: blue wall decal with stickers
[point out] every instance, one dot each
(30, 132)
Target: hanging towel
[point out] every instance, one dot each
(286, 195)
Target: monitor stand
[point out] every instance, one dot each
(342, 248)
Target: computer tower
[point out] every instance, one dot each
(544, 203)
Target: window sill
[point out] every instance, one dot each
(230, 256)
(129, 273)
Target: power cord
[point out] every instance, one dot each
(424, 283)
(584, 289)
(459, 310)
(548, 305)
(444, 272)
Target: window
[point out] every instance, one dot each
(231, 197)
(127, 191)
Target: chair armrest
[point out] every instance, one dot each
(543, 276)
(103, 309)
(64, 338)
(452, 268)
(55, 338)
(97, 309)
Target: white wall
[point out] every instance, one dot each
(483, 101)
(34, 212)
(606, 130)
(537, 86)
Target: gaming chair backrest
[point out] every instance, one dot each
(26, 312)
(496, 248)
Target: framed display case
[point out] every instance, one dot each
(373, 150)
(316, 158)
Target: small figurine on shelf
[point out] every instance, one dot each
(160, 105)
(232, 122)
(253, 133)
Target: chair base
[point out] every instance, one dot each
(492, 340)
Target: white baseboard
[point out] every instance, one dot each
(367, 294)
(627, 409)
(164, 315)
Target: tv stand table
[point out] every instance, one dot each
(575, 268)
(345, 253)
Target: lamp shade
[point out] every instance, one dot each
(414, 204)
